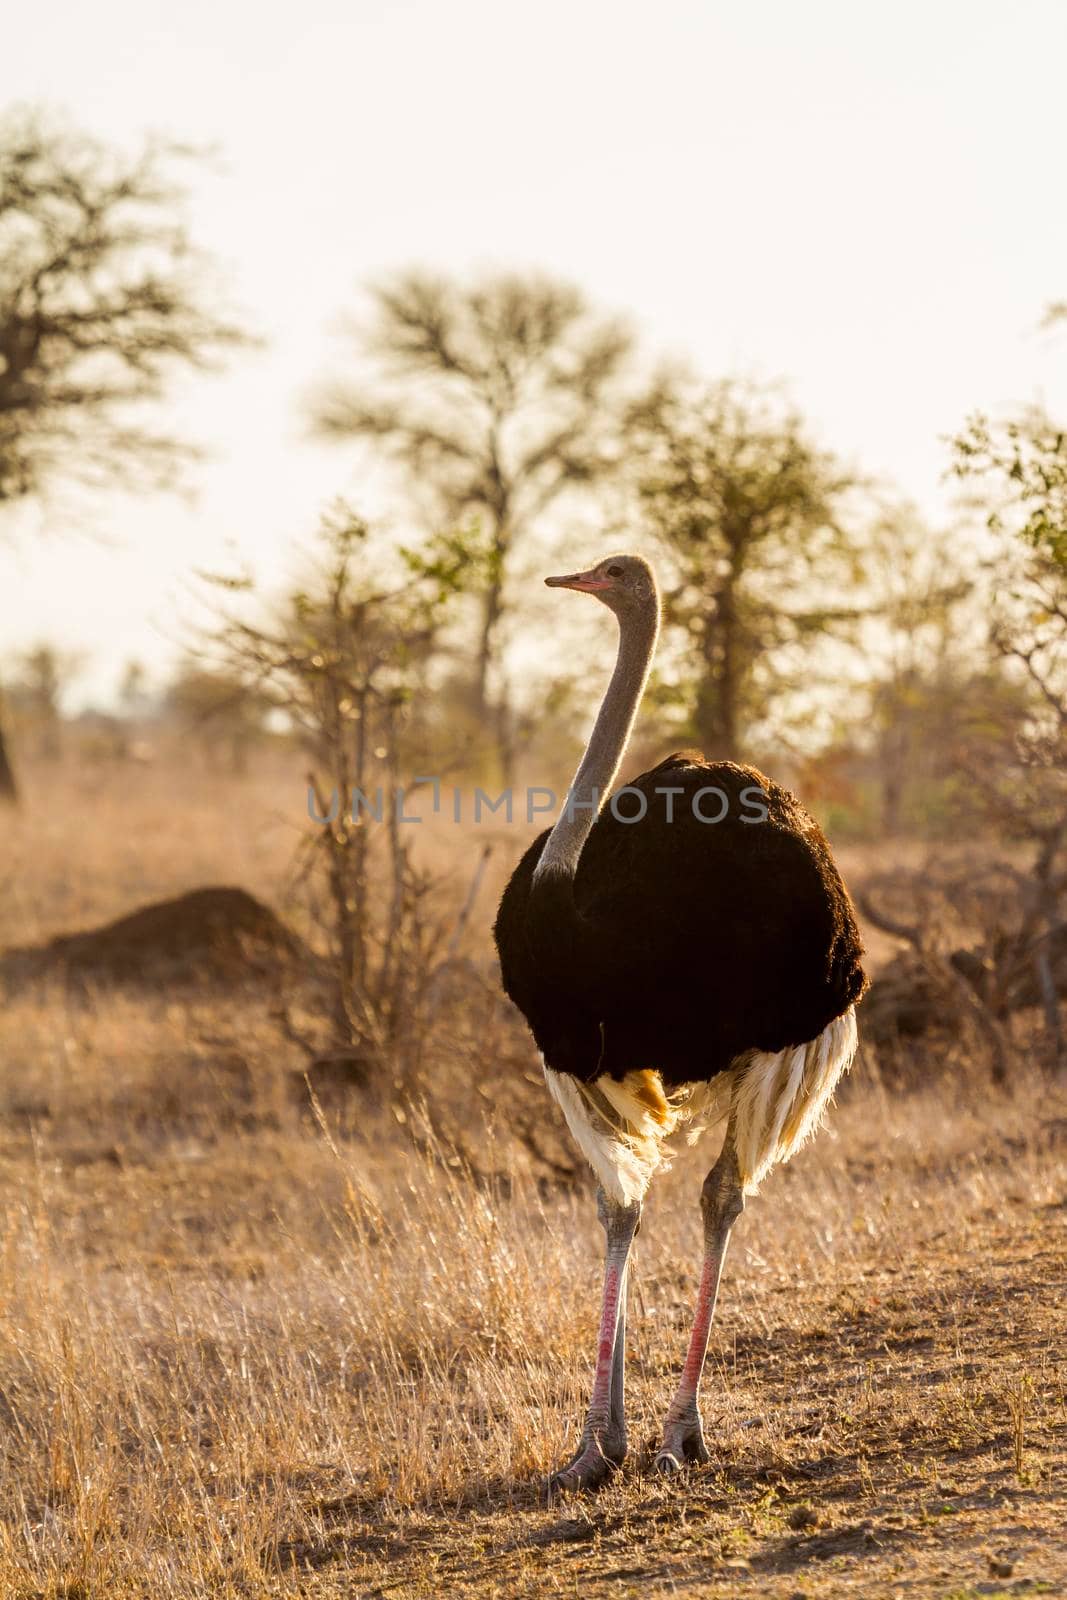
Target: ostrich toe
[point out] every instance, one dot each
(683, 1445)
(593, 1463)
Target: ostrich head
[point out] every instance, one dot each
(625, 584)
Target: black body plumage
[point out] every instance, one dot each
(682, 945)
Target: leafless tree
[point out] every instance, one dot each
(345, 661)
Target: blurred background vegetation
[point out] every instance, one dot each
(908, 679)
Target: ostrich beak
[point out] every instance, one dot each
(585, 582)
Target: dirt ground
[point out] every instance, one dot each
(898, 1475)
(247, 1351)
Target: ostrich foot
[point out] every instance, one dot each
(596, 1459)
(683, 1444)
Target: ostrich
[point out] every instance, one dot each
(686, 955)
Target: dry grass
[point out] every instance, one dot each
(244, 1353)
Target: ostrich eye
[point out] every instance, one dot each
(614, 572)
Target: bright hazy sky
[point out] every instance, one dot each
(864, 200)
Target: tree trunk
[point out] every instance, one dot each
(892, 777)
(505, 736)
(491, 608)
(8, 787)
(494, 714)
(716, 715)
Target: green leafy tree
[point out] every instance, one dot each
(1020, 468)
(1017, 470)
(752, 518)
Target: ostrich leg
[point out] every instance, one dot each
(721, 1201)
(602, 1446)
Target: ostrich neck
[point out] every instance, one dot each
(607, 745)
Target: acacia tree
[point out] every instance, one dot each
(496, 398)
(752, 517)
(102, 300)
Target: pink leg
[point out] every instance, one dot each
(602, 1447)
(722, 1202)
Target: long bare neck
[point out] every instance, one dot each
(596, 773)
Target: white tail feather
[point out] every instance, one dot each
(777, 1101)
